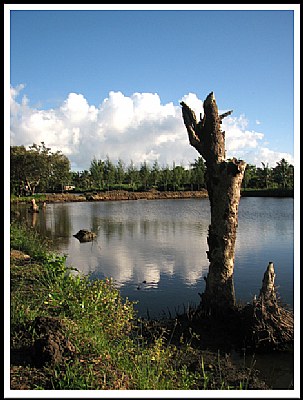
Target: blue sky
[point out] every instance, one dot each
(97, 83)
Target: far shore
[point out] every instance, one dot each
(115, 195)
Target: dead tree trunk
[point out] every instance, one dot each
(223, 180)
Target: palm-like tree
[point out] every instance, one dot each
(198, 172)
(283, 174)
(266, 174)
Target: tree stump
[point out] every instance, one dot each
(34, 208)
(267, 291)
(223, 180)
(268, 325)
(264, 322)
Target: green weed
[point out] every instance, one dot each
(110, 351)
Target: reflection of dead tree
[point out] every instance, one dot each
(224, 178)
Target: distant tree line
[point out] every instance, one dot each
(105, 175)
(39, 170)
(281, 176)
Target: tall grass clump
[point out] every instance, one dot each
(14, 199)
(108, 350)
(27, 239)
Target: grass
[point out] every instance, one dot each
(27, 199)
(109, 349)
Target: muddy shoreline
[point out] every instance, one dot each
(117, 195)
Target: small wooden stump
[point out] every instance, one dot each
(34, 208)
(268, 324)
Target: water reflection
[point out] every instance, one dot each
(265, 233)
(156, 250)
(34, 217)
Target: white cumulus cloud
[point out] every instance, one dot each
(76, 109)
(137, 127)
(238, 136)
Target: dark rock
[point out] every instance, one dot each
(85, 236)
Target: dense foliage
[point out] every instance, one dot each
(281, 176)
(39, 170)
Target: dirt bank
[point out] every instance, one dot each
(116, 195)
(120, 195)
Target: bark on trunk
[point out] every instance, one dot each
(223, 180)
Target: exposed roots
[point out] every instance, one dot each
(268, 325)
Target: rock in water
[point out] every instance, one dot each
(85, 236)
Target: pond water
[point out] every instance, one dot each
(155, 250)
